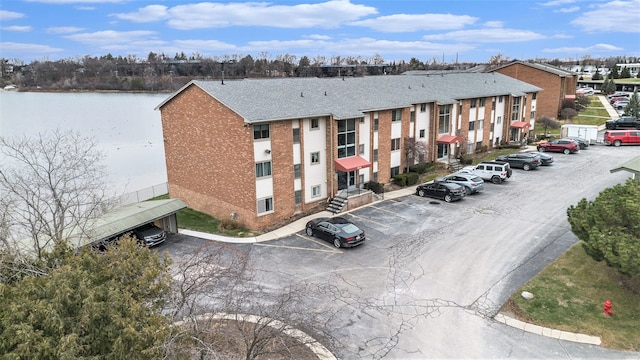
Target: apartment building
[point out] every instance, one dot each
(557, 84)
(261, 150)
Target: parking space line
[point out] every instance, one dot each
(367, 219)
(330, 249)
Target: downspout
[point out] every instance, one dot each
(333, 170)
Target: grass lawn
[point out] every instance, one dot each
(569, 295)
(594, 114)
(199, 221)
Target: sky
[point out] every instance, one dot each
(391, 30)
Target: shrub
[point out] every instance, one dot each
(409, 178)
(422, 168)
(374, 186)
(230, 224)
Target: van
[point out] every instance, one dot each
(622, 137)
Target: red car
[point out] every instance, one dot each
(566, 146)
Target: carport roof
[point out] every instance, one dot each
(632, 166)
(129, 217)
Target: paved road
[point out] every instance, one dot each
(432, 275)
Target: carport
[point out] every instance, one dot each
(632, 166)
(126, 218)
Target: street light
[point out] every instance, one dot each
(222, 64)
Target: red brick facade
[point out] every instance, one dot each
(555, 87)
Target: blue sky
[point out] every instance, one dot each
(466, 30)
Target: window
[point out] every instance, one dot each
(470, 148)
(443, 119)
(361, 149)
(423, 107)
(376, 124)
(515, 110)
(481, 102)
(315, 158)
(361, 120)
(297, 171)
(473, 103)
(361, 180)
(315, 191)
(263, 169)
(472, 125)
(500, 99)
(261, 131)
(375, 154)
(422, 133)
(265, 205)
(298, 197)
(479, 145)
(532, 115)
(480, 124)
(492, 127)
(412, 117)
(395, 144)
(535, 96)
(296, 136)
(346, 138)
(499, 119)
(493, 104)
(395, 171)
(315, 124)
(375, 176)
(396, 115)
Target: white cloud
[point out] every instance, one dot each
(13, 47)
(63, 29)
(10, 15)
(418, 22)
(146, 14)
(112, 38)
(205, 15)
(318, 37)
(557, 2)
(495, 24)
(17, 28)
(488, 35)
(614, 16)
(568, 10)
(588, 49)
(204, 45)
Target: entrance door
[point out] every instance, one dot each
(346, 180)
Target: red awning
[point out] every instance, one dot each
(520, 124)
(351, 163)
(449, 139)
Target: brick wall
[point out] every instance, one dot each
(550, 99)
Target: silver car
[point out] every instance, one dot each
(471, 183)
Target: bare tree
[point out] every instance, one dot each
(54, 186)
(548, 123)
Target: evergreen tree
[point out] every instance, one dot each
(615, 72)
(597, 75)
(633, 108)
(88, 305)
(625, 74)
(609, 226)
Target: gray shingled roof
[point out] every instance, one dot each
(289, 98)
(544, 67)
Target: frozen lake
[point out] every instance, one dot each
(125, 126)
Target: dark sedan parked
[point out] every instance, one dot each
(441, 190)
(544, 157)
(337, 230)
(584, 144)
(522, 160)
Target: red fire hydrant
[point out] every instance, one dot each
(607, 308)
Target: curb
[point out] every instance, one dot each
(544, 331)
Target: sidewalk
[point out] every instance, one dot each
(288, 229)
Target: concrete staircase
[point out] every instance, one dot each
(337, 204)
(454, 165)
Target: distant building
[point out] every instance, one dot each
(558, 84)
(262, 150)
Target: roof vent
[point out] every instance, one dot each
(301, 94)
(325, 93)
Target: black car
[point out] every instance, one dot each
(544, 157)
(581, 142)
(522, 160)
(337, 230)
(441, 190)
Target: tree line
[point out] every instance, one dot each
(159, 72)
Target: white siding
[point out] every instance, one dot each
(262, 152)
(316, 174)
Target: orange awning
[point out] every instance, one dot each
(520, 124)
(449, 139)
(351, 163)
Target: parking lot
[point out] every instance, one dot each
(438, 272)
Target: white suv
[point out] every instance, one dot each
(494, 171)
